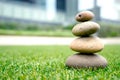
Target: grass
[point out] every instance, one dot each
(48, 63)
(60, 33)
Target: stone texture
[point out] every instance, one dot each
(84, 16)
(85, 28)
(87, 44)
(85, 61)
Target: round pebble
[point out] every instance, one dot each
(87, 45)
(86, 61)
(84, 16)
(85, 28)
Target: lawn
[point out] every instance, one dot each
(48, 63)
(60, 33)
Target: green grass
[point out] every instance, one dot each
(60, 33)
(48, 63)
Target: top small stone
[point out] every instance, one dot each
(84, 16)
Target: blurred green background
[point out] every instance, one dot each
(56, 17)
(107, 30)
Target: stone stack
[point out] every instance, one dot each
(86, 45)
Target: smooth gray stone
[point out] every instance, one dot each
(84, 16)
(89, 45)
(85, 28)
(86, 61)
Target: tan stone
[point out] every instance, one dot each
(84, 16)
(86, 61)
(87, 44)
(85, 28)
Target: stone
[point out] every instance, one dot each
(85, 28)
(86, 61)
(88, 45)
(84, 16)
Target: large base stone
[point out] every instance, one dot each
(86, 61)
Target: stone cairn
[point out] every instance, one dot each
(87, 44)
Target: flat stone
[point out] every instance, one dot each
(84, 16)
(86, 61)
(85, 28)
(87, 44)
